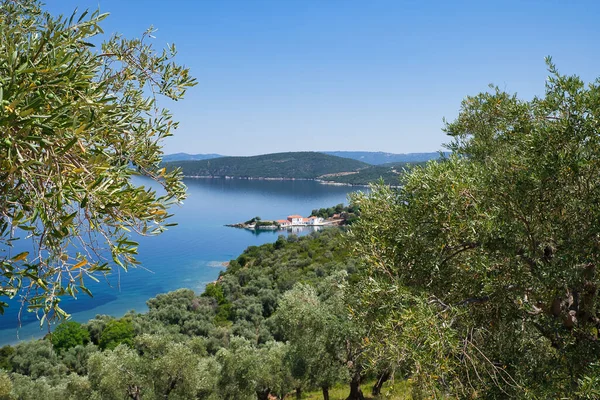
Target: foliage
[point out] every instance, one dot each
(239, 370)
(348, 213)
(223, 312)
(117, 332)
(6, 352)
(6, 386)
(494, 249)
(96, 325)
(119, 373)
(69, 334)
(183, 347)
(77, 124)
(316, 339)
(589, 384)
(76, 358)
(25, 388)
(36, 359)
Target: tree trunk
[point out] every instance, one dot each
(298, 393)
(134, 392)
(172, 385)
(355, 391)
(325, 392)
(263, 394)
(381, 379)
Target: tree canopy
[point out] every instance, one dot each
(273, 323)
(483, 268)
(78, 122)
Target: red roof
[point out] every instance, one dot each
(295, 216)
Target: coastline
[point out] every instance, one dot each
(322, 182)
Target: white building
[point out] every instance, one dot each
(296, 220)
(314, 221)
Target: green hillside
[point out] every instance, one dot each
(381, 158)
(239, 339)
(299, 165)
(390, 173)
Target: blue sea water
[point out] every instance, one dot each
(192, 253)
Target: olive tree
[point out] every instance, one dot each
(495, 249)
(315, 338)
(78, 122)
(325, 343)
(120, 373)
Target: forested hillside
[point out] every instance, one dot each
(274, 322)
(389, 173)
(380, 157)
(369, 157)
(299, 165)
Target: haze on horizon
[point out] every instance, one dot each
(278, 76)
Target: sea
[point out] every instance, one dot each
(191, 254)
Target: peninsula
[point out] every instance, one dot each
(292, 221)
(332, 216)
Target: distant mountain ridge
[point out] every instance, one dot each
(369, 157)
(380, 157)
(186, 156)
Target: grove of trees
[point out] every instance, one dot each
(255, 332)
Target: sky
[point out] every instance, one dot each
(369, 75)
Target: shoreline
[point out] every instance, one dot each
(321, 181)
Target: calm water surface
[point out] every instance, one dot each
(191, 254)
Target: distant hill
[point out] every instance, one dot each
(298, 165)
(186, 156)
(390, 173)
(379, 157)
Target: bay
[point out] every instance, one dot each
(191, 254)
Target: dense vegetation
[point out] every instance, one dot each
(349, 213)
(275, 322)
(299, 165)
(483, 269)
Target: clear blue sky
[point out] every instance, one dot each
(288, 75)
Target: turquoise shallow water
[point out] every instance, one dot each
(191, 254)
